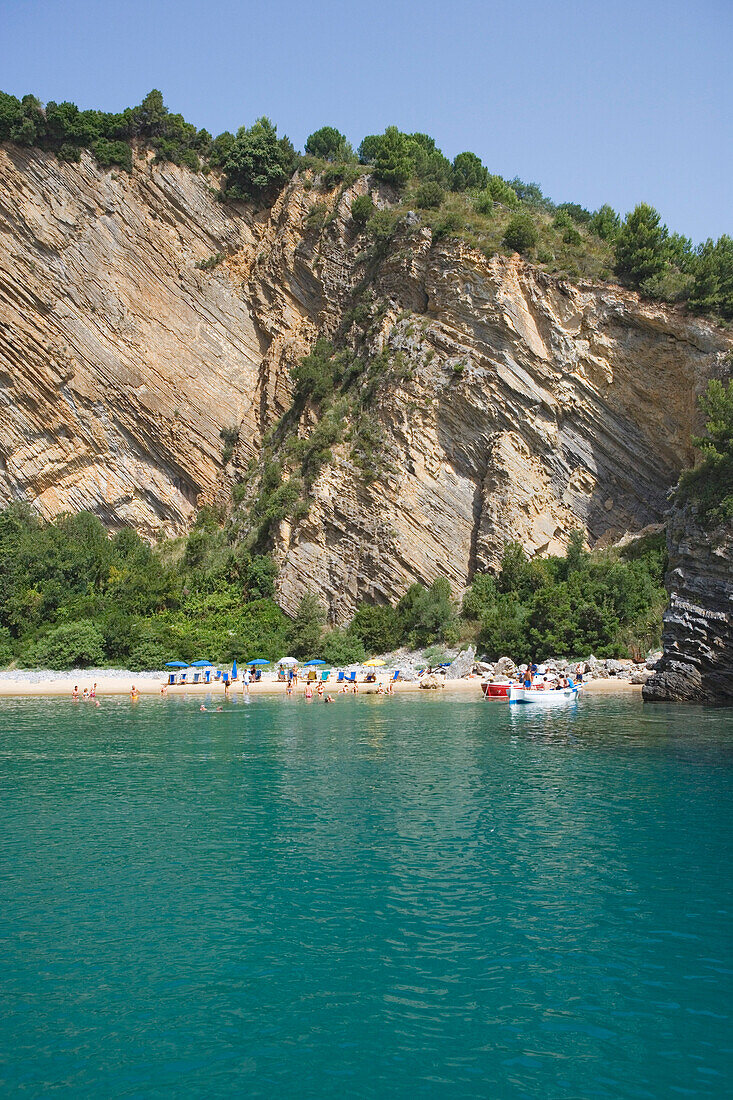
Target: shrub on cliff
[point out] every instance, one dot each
(605, 223)
(468, 173)
(712, 285)
(328, 143)
(258, 162)
(710, 483)
(520, 234)
(429, 195)
(641, 246)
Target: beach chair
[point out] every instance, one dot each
(396, 675)
(350, 678)
(207, 676)
(325, 675)
(171, 679)
(225, 677)
(340, 677)
(217, 677)
(196, 677)
(182, 679)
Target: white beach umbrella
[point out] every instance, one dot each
(289, 661)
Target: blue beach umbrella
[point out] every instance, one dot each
(176, 664)
(234, 669)
(200, 664)
(315, 662)
(259, 661)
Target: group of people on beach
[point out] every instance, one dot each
(529, 678)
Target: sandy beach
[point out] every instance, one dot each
(120, 683)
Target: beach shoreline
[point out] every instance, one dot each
(120, 683)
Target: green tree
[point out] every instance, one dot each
(362, 209)
(258, 161)
(426, 613)
(468, 173)
(641, 245)
(429, 195)
(480, 597)
(502, 631)
(342, 647)
(712, 287)
(306, 630)
(378, 627)
(328, 143)
(71, 644)
(394, 163)
(605, 223)
(520, 233)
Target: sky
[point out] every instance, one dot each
(618, 102)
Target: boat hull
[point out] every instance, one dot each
(543, 698)
(496, 691)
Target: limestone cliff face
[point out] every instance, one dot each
(525, 407)
(697, 665)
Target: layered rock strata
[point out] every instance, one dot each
(697, 663)
(147, 331)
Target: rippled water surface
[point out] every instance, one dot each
(394, 897)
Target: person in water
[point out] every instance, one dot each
(320, 687)
(75, 692)
(134, 693)
(328, 699)
(308, 691)
(289, 688)
(93, 692)
(85, 693)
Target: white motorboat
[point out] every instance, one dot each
(544, 697)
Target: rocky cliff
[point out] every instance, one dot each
(523, 406)
(697, 665)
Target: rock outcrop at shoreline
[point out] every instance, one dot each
(148, 331)
(697, 663)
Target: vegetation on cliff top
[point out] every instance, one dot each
(459, 198)
(71, 595)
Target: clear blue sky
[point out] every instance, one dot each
(596, 101)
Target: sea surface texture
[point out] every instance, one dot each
(386, 897)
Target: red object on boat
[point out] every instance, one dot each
(496, 691)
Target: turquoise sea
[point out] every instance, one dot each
(387, 897)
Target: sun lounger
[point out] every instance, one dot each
(350, 678)
(325, 675)
(196, 677)
(396, 675)
(340, 677)
(217, 677)
(171, 678)
(207, 677)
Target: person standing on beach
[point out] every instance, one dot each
(245, 682)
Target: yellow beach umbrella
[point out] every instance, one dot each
(374, 663)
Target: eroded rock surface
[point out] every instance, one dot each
(697, 663)
(527, 406)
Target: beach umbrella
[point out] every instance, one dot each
(200, 664)
(314, 663)
(374, 663)
(234, 669)
(290, 661)
(259, 661)
(176, 664)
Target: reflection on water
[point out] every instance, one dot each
(398, 896)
